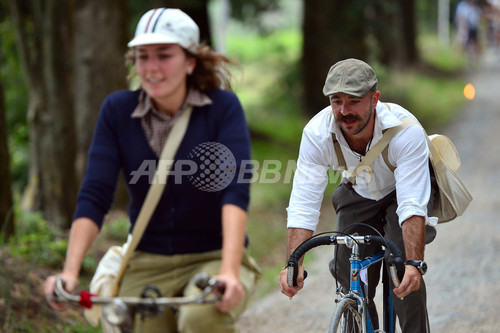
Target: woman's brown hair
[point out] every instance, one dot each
(211, 71)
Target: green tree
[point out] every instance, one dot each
(394, 26)
(6, 211)
(45, 47)
(333, 30)
(376, 30)
(6, 201)
(101, 35)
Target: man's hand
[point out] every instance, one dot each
(411, 282)
(285, 288)
(295, 237)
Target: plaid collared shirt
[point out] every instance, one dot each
(156, 124)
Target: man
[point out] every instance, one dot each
(393, 202)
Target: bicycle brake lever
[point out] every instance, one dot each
(396, 269)
(394, 276)
(292, 274)
(204, 280)
(217, 285)
(59, 294)
(54, 297)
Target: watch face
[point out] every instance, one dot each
(423, 267)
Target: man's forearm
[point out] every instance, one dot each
(295, 237)
(414, 237)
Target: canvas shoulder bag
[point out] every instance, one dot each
(451, 197)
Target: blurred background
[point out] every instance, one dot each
(60, 58)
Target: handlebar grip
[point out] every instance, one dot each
(293, 261)
(203, 280)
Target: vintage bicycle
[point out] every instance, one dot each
(351, 314)
(121, 312)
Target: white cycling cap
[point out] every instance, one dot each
(167, 26)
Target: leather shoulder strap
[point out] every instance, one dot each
(338, 152)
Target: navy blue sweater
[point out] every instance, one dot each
(187, 219)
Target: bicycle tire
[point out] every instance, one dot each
(346, 318)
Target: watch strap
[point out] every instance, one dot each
(419, 264)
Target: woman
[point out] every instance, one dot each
(197, 225)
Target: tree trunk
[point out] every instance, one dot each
(99, 66)
(101, 37)
(409, 31)
(6, 204)
(333, 30)
(45, 43)
(394, 28)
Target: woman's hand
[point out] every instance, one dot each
(233, 293)
(69, 283)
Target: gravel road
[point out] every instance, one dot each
(464, 266)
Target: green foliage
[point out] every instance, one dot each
(117, 229)
(427, 15)
(40, 243)
(443, 57)
(434, 101)
(269, 88)
(34, 241)
(434, 92)
(270, 93)
(278, 48)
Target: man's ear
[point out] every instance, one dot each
(376, 97)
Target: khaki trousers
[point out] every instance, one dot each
(173, 276)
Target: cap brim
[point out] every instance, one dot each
(153, 38)
(350, 93)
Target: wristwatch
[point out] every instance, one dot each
(420, 264)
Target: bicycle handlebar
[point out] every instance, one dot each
(118, 309)
(394, 259)
(203, 281)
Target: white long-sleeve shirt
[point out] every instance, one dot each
(407, 152)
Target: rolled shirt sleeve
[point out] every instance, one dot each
(309, 183)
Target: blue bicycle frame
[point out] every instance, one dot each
(356, 267)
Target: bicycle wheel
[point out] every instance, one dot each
(346, 319)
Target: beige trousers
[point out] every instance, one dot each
(173, 276)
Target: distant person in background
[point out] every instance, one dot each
(492, 14)
(193, 229)
(467, 20)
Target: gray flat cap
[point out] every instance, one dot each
(351, 76)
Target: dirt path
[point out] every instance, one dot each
(464, 266)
